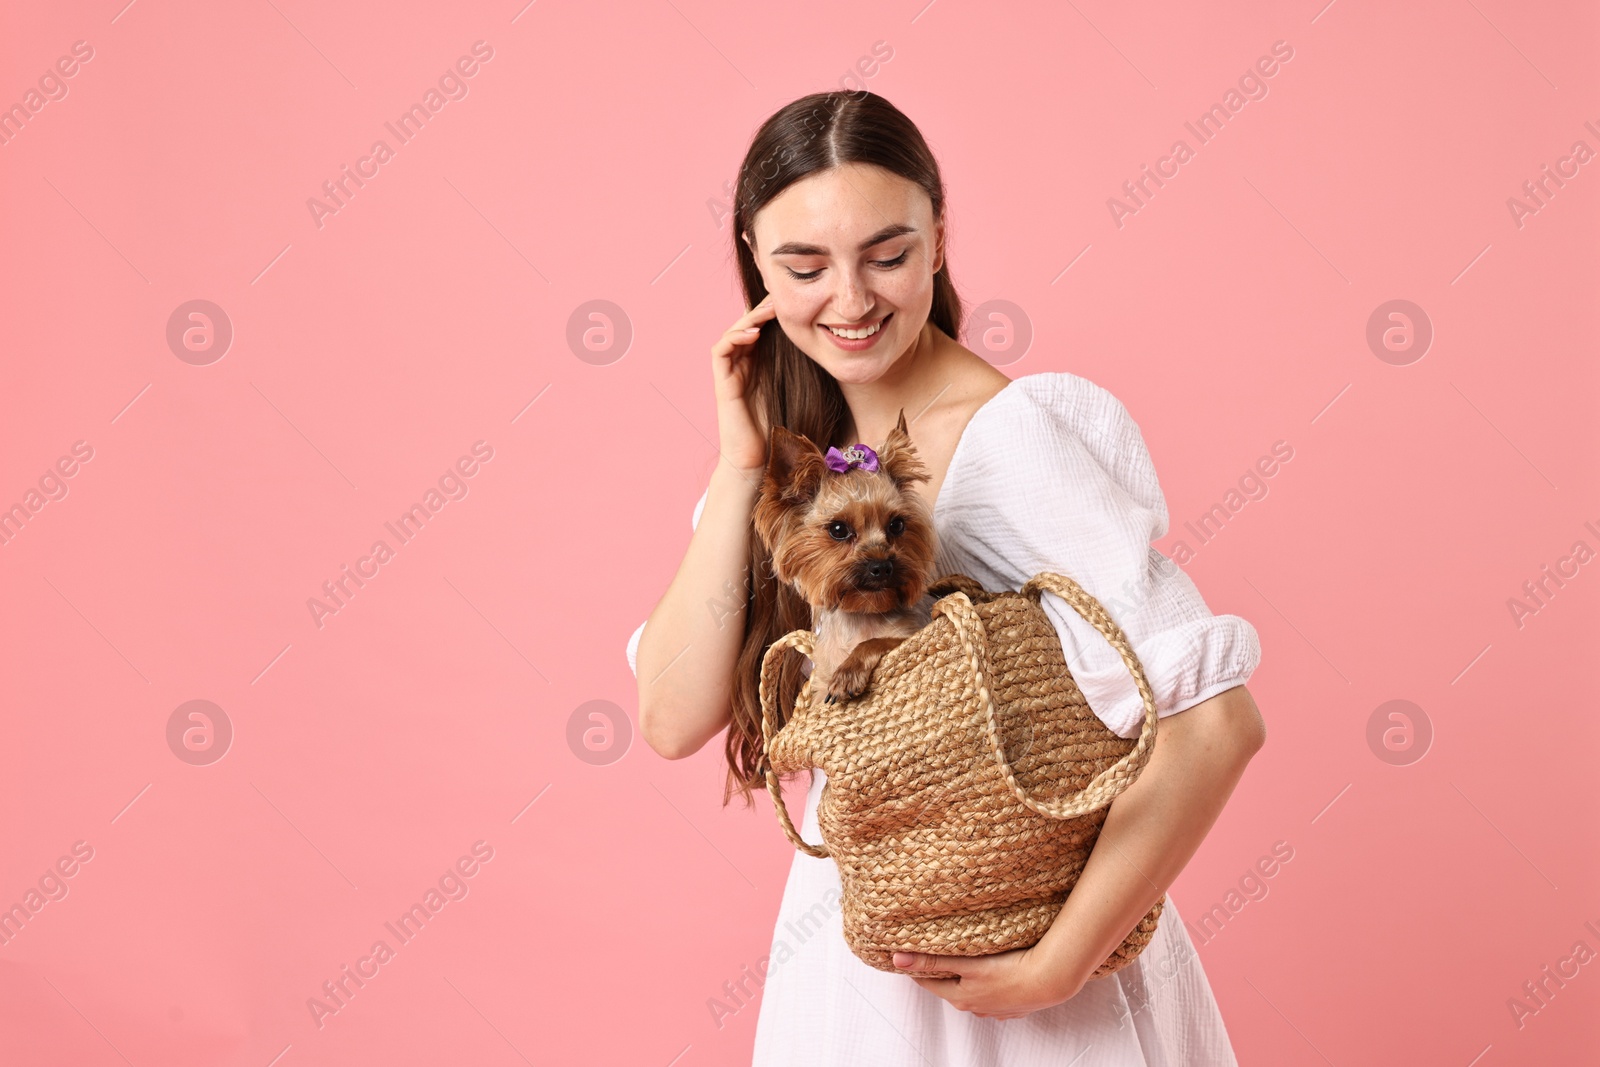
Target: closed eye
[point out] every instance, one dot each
(886, 264)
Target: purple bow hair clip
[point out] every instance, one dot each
(857, 455)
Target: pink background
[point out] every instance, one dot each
(436, 709)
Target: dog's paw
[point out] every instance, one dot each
(854, 675)
(849, 682)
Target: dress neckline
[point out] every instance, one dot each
(955, 456)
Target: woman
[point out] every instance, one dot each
(839, 226)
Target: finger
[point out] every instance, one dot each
(927, 961)
(734, 343)
(743, 332)
(745, 329)
(763, 311)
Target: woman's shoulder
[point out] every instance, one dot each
(1054, 428)
(1070, 396)
(1062, 405)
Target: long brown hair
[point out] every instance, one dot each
(814, 133)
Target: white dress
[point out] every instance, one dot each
(1050, 474)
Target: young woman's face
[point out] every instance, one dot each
(855, 247)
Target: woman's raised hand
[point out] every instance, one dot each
(743, 430)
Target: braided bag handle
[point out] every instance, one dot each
(1104, 787)
(804, 642)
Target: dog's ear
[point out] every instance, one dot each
(791, 480)
(794, 466)
(899, 458)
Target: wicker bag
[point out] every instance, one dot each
(966, 787)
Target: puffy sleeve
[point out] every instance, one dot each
(1064, 482)
(633, 642)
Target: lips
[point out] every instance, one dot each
(874, 326)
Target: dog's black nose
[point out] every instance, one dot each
(880, 568)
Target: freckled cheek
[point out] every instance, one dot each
(799, 308)
(907, 289)
(900, 294)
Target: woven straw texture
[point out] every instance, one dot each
(966, 787)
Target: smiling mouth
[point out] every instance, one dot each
(860, 333)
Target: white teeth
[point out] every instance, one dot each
(857, 335)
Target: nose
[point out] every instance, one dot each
(852, 300)
(880, 568)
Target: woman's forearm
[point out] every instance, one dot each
(691, 640)
(1150, 833)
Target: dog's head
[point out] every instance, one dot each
(857, 540)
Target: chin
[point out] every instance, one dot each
(854, 372)
(855, 367)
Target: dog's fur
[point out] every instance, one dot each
(857, 615)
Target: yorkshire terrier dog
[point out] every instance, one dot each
(848, 533)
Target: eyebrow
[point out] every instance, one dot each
(800, 248)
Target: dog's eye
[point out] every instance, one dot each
(838, 529)
(896, 527)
